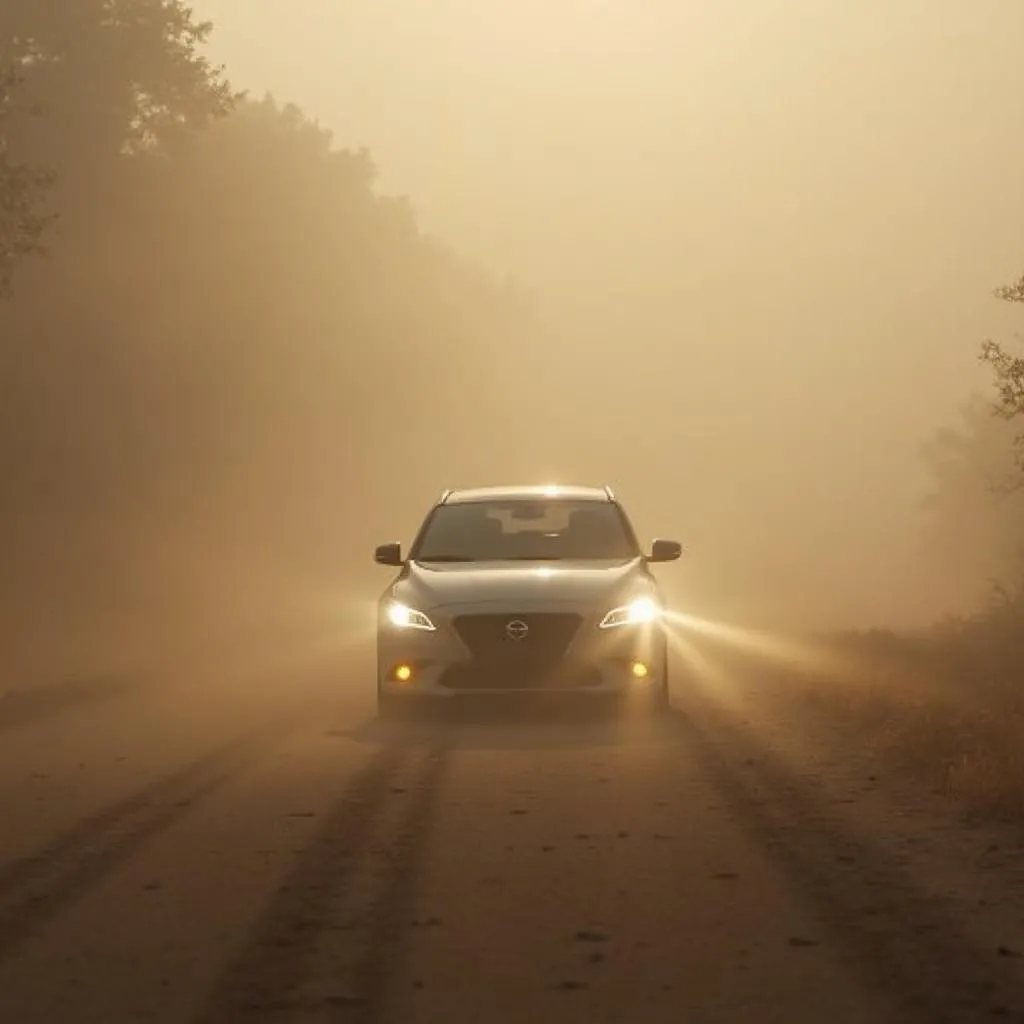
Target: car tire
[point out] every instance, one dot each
(391, 708)
(660, 702)
(656, 703)
(648, 703)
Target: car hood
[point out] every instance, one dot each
(435, 584)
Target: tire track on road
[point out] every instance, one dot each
(327, 942)
(40, 886)
(382, 957)
(904, 940)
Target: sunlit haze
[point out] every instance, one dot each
(511, 510)
(764, 236)
(733, 259)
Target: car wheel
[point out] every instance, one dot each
(391, 708)
(652, 702)
(660, 702)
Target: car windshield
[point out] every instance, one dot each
(525, 530)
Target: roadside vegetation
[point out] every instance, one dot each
(949, 701)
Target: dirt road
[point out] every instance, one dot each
(265, 851)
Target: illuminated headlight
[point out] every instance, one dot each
(404, 617)
(635, 613)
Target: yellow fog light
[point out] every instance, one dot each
(403, 673)
(639, 670)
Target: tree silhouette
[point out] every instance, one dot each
(21, 224)
(206, 385)
(1008, 371)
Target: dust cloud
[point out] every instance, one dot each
(733, 259)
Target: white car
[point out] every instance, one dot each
(523, 590)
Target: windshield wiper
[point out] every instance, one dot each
(444, 558)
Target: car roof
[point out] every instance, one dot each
(528, 492)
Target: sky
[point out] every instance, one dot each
(771, 227)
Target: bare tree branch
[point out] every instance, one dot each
(21, 224)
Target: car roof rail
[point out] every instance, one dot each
(609, 492)
(444, 496)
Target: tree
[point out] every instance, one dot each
(975, 525)
(215, 358)
(21, 223)
(112, 77)
(1008, 370)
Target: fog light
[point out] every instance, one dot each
(403, 673)
(639, 670)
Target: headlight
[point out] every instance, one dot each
(637, 612)
(408, 618)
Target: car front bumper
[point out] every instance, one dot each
(441, 665)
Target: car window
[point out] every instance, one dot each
(526, 530)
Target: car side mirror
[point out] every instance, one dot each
(388, 554)
(665, 551)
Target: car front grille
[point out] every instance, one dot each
(537, 638)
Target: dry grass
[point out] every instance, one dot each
(948, 704)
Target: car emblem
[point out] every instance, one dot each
(516, 630)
